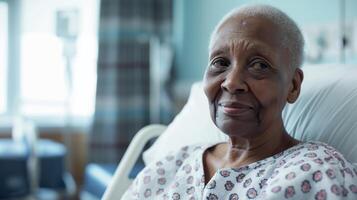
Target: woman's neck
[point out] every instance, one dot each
(241, 151)
(249, 151)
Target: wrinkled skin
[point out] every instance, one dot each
(248, 81)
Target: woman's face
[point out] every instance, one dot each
(248, 77)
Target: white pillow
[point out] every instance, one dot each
(325, 111)
(327, 108)
(191, 126)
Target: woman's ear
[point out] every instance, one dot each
(294, 90)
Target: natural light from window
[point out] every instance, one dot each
(42, 75)
(45, 94)
(44, 83)
(3, 54)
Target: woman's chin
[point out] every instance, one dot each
(242, 129)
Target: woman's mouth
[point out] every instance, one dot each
(235, 109)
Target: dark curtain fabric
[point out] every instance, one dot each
(123, 76)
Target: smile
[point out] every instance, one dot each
(235, 109)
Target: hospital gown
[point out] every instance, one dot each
(311, 170)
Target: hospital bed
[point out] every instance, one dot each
(325, 111)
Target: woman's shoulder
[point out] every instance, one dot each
(311, 170)
(317, 155)
(159, 176)
(184, 154)
(317, 152)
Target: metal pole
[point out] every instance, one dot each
(343, 41)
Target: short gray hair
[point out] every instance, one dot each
(293, 40)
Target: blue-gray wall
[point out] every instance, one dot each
(195, 19)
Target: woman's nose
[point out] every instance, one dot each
(234, 82)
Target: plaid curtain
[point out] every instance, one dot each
(122, 99)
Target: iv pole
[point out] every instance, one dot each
(67, 30)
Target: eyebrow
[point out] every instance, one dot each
(257, 46)
(219, 51)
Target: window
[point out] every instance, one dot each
(3, 54)
(56, 84)
(46, 76)
(39, 88)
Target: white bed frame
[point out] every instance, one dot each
(120, 181)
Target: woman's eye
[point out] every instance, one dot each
(259, 66)
(220, 63)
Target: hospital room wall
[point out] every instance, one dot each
(195, 19)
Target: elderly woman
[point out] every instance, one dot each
(254, 57)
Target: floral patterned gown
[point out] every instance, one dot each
(311, 170)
